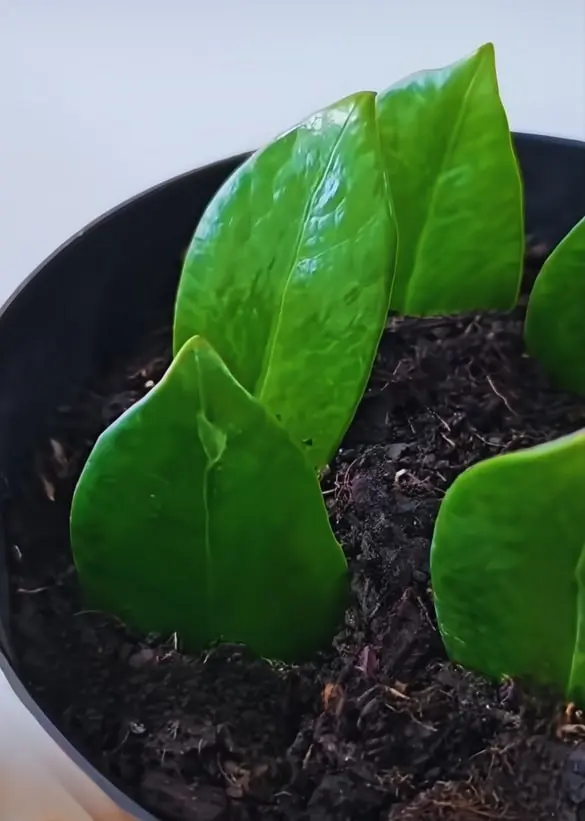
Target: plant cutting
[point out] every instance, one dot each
(291, 274)
(249, 628)
(507, 566)
(290, 271)
(454, 181)
(208, 517)
(509, 543)
(554, 329)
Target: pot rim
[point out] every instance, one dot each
(236, 159)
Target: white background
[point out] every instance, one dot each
(100, 99)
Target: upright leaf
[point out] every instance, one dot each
(290, 269)
(456, 189)
(197, 514)
(555, 318)
(507, 565)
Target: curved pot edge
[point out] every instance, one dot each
(50, 752)
(234, 159)
(6, 669)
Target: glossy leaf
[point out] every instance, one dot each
(290, 269)
(197, 514)
(508, 566)
(456, 189)
(555, 317)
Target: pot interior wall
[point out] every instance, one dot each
(86, 304)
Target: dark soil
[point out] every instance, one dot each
(382, 727)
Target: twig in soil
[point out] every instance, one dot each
(472, 325)
(107, 616)
(403, 473)
(59, 455)
(307, 757)
(474, 804)
(500, 395)
(344, 483)
(370, 697)
(89, 613)
(119, 746)
(501, 754)
(238, 779)
(374, 394)
(463, 806)
(428, 727)
(343, 486)
(368, 662)
(571, 723)
(571, 731)
(486, 441)
(570, 710)
(396, 693)
(425, 613)
(48, 487)
(450, 442)
(440, 418)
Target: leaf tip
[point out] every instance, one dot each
(487, 49)
(196, 345)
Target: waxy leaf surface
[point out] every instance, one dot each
(197, 514)
(508, 566)
(290, 270)
(555, 318)
(456, 189)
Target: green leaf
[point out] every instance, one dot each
(555, 318)
(290, 270)
(456, 189)
(214, 530)
(508, 566)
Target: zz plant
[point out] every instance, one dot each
(199, 510)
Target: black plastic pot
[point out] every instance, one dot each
(117, 278)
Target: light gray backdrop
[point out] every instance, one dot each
(99, 100)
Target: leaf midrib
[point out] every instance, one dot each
(275, 329)
(390, 208)
(210, 580)
(432, 200)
